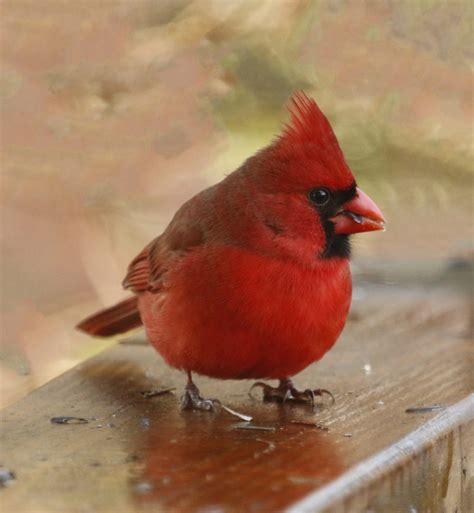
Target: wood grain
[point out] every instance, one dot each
(431, 467)
(400, 350)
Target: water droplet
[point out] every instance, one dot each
(144, 487)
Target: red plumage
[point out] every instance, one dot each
(246, 282)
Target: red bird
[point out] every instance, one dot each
(251, 277)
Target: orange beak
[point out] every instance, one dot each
(359, 214)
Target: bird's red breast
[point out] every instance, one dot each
(229, 313)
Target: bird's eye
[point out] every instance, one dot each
(319, 196)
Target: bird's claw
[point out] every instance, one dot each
(213, 405)
(288, 395)
(320, 393)
(270, 393)
(286, 391)
(198, 403)
(309, 395)
(264, 387)
(191, 400)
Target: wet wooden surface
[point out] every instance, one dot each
(399, 350)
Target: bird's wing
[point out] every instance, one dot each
(137, 278)
(148, 269)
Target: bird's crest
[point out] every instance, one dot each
(308, 124)
(309, 139)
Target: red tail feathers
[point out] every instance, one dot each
(120, 318)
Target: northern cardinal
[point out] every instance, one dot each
(251, 277)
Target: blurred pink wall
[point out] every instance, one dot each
(114, 113)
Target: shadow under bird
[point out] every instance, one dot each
(251, 278)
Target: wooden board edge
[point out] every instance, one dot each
(369, 472)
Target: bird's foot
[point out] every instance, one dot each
(286, 391)
(192, 400)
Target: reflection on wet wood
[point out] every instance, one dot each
(138, 452)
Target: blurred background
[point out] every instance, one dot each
(115, 112)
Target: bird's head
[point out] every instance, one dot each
(307, 189)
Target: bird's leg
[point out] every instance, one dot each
(286, 391)
(192, 400)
